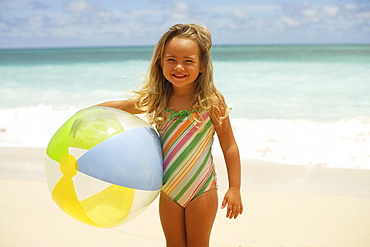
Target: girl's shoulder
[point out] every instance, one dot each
(217, 101)
(218, 108)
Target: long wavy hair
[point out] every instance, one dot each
(153, 96)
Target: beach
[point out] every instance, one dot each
(300, 115)
(284, 205)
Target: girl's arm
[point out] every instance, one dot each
(232, 198)
(124, 105)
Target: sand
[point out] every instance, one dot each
(284, 205)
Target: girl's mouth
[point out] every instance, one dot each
(179, 76)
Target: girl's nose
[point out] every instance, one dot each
(179, 67)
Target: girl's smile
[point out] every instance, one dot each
(179, 76)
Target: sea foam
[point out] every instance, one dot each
(340, 144)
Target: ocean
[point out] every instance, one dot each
(293, 104)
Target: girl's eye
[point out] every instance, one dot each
(170, 60)
(188, 61)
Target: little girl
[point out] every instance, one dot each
(181, 100)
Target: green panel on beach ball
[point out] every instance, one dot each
(59, 143)
(92, 127)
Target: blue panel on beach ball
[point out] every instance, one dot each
(132, 159)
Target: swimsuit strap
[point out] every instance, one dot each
(181, 115)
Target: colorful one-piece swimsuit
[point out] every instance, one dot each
(188, 163)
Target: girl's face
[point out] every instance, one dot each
(181, 62)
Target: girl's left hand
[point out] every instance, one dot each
(234, 204)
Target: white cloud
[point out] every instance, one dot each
(77, 6)
(351, 6)
(180, 11)
(289, 21)
(365, 15)
(241, 10)
(36, 20)
(331, 10)
(266, 8)
(309, 12)
(4, 26)
(240, 13)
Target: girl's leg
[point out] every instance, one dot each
(200, 214)
(173, 221)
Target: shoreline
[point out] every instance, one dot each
(284, 205)
(27, 164)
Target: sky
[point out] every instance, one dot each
(88, 23)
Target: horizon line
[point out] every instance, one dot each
(149, 46)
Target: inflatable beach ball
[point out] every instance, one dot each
(104, 166)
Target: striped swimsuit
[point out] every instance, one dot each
(188, 163)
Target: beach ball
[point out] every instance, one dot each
(104, 166)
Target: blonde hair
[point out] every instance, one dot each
(153, 96)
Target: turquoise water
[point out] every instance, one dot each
(306, 105)
(264, 53)
(285, 82)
